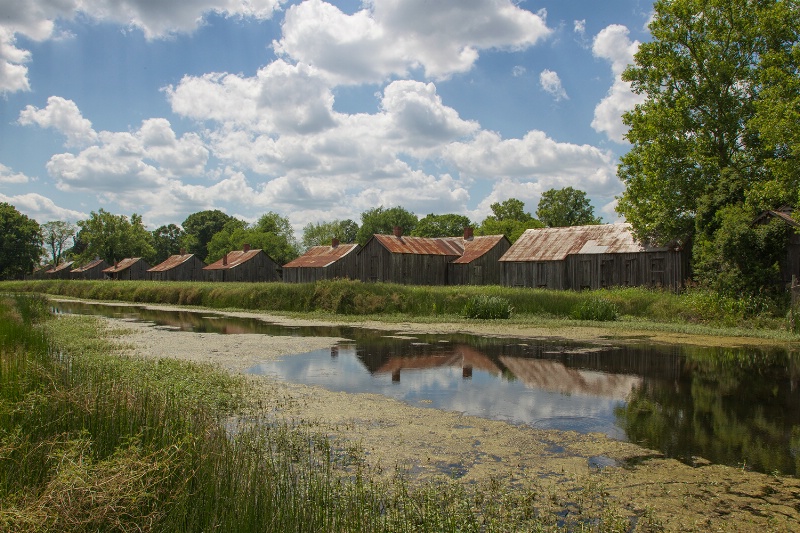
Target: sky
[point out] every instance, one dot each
(315, 110)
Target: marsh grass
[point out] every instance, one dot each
(93, 441)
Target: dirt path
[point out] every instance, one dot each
(563, 466)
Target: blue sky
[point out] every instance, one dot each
(315, 110)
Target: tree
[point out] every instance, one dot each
(717, 77)
(565, 207)
(449, 225)
(509, 218)
(167, 242)
(322, 233)
(20, 243)
(199, 228)
(56, 235)
(381, 221)
(113, 237)
(271, 233)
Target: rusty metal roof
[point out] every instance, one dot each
(88, 266)
(234, 259)
(321, 256)
(478, 246)
(422, 245)
(555, 244)
(122, 265)
(62, 266)
(171, 262)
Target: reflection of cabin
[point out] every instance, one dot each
(131, 268)
(92, 270)
(182, 267)
(61, 271)
(323, 262)
(479, 264)
(412, 260)
(790, 264)
(243, 265)
(591, 257)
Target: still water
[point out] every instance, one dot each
(739, 407)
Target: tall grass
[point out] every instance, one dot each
(344, 297)
(90, 441)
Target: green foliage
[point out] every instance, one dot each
(113, 237)
(56, 236)
(323, 233)
(509, 218)
(271, 233)
(199, 228)
(599, 309)
(449, 225)
(166, 242)
(565, 207)
(20, 243)
(487, 307)
(381, 221)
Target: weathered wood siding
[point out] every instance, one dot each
(485, 270)
(538, 274)
(189, 270)
(344, 268)
(378, 264)
(790, 265)
(92, 272)
(137, 271)
(256, 269)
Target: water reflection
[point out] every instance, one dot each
(739, 407)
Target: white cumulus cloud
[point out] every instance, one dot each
(63, 116)
(551, 84)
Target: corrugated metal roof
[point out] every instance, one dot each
(555, 244)
(122, 265)
(88, 266)
(234, 258)
(171, 262)
(477, 247)
(321, 256)
(422, 245)
(62, 266)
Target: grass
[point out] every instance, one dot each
(92, 440)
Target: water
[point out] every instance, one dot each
(732, 406)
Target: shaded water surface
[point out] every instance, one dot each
(733, 406)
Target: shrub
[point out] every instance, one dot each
(487, 307)
(596, 309)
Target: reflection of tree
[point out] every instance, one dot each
(729, 406)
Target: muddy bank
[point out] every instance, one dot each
(429, 443)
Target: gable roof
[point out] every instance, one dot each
(62, 266)
(234, 259)
(171, 262)
(478, 246)
(783, 215)
(555, 244)
(89, 266)
(421, 245)
(122, 265)
(321, 256)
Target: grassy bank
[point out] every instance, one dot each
(344, 297)
(94, 441)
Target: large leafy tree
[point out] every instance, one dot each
(322, 233)
(113, 237)
(565, 207)
(271, 233)
(57, 237)
(199, 228)
(167, 241)
(381, 221)
(508, 218)
(448, 225)
(20, 243)
(702, 141)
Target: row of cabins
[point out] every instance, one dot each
(578, 257)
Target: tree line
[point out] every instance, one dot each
(210, 234)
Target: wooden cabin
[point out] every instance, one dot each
(243, 265)
(130, 268)
(790, 263)
(91, 270)
(324, 262)
(39, 272)
(61, 271)
(591, 257)
(480, 262)
(409, 260)
(181, 267)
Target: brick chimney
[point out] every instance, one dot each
(398, 231)
(225, 260)
(183, 251)
(334, 243)
(245, 248)
(468, 233)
